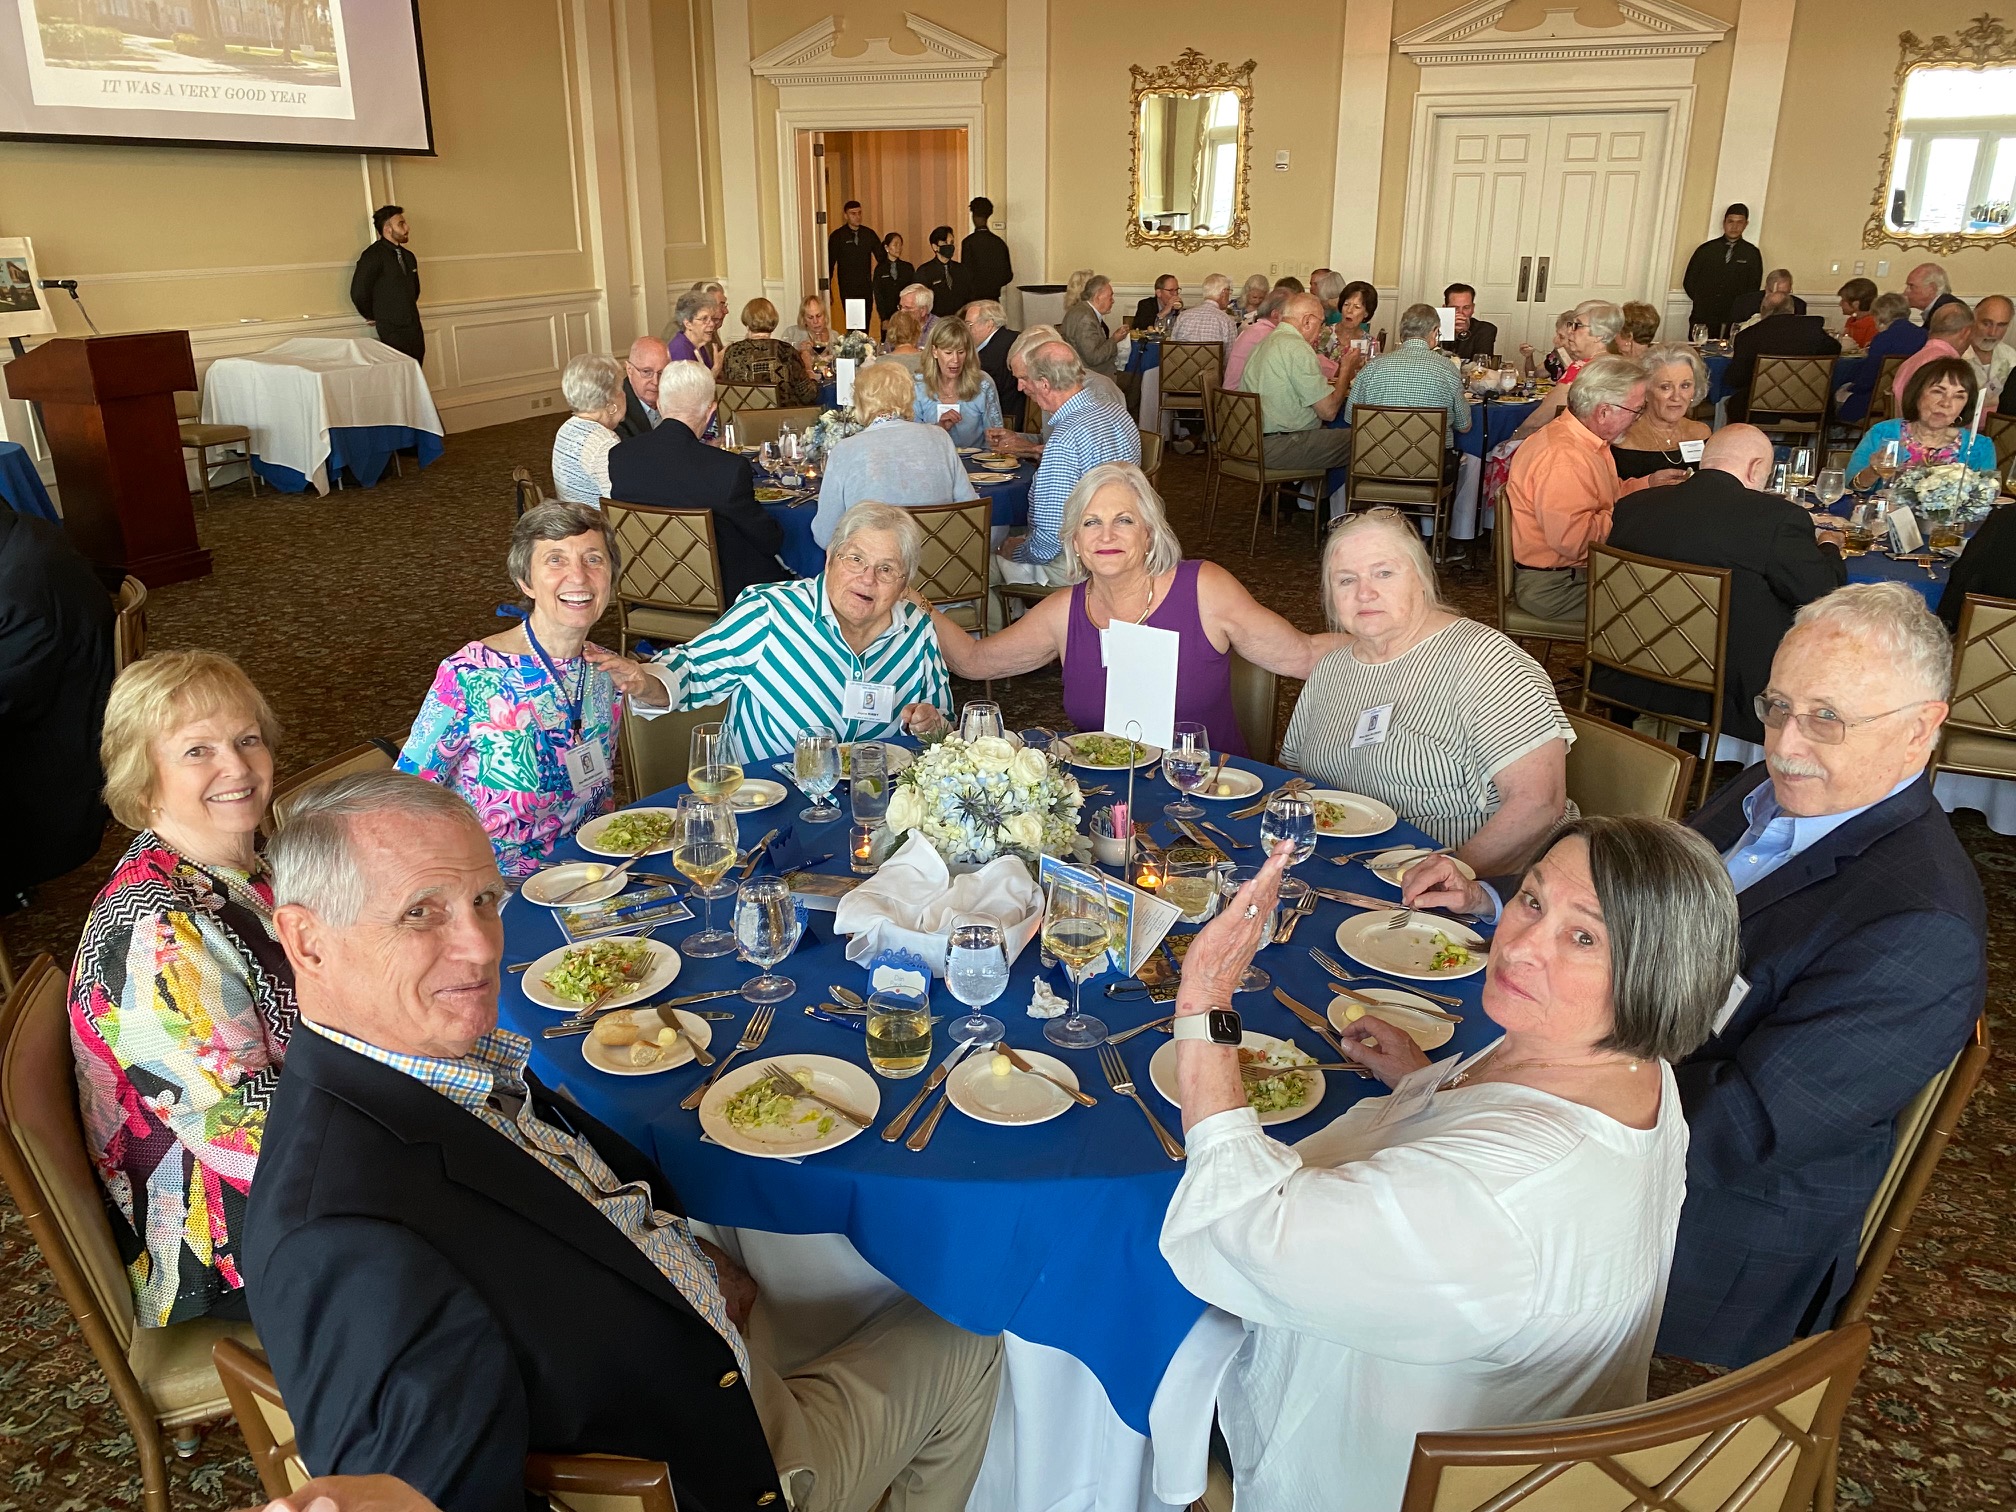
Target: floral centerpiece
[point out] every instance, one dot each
(832, 427)
(1947, 488)
(975, 801)
(854, 346)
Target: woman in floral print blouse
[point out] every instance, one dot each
(181, 1000)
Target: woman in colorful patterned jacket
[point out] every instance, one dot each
(181, 1000)
(520, 724)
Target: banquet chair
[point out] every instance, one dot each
(203, 439)
(1979, 736)
(1756, 1440)
(1254, 691)
(2001, 433)
(757, 426)
(1520, 624)
(1883, 399)
(263, 1420)
(1032, 417)
(1795, 392)
(374, 755)
(1188, 368)
(654, 752)
(525, 494)
(733, 398)
(1612, 769)
(669, 587)
(953, 562)
(129, 624)
(1664, 621)
(1241, 447)
(1151, 457)
(161, 1378)
(1400, 458)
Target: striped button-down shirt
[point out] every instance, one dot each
(779, 655)
(1415, 377)
(490, 1082)
(1083, 433)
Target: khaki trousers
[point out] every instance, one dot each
(1551, 595)
(1322, 447)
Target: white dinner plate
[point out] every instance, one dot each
(1362, 816)
(843, 1081)
(1017, 1098)
(548, 887)
(990, 479)
(1406, 951)
(610, 1058)
(1403, 1010)
(1232, 784)
(969, 451)
(662, 972)
(1153, 754)
(1162, 1072)
(757, 794)
(590, 834)
(899, 757)
(1392, 866)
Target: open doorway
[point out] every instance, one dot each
(907, 181)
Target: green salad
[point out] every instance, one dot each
(637, 831)
(1276, 1094)
(761, 1105)
(1108, 750)
(1448, 953)
(586, 971)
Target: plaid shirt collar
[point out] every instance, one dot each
(496, 1060)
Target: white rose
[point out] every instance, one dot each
(1028, 766)
(906, 809)
(990, 754)
(1024, 831)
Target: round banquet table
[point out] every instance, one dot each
(20, 485)
(1045, 1234)
(807, 557)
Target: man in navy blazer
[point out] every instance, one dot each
(1864, 969)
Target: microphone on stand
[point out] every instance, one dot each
(69, 286)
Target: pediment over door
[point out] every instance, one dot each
(807, 59)
(1649, 29)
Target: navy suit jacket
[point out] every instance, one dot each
(674, 469)
(1866, 959)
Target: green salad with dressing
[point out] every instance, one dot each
(762, 1105)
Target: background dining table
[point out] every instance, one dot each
(807, 557)
(1046, 1234)
(20, 485)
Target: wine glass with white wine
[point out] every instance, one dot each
(1077, 929)
(707, 842)
(712, 769)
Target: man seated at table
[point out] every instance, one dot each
(1296, 403)
(452, 1266)
(1928, 289)
(649, 357)
(1155, 311)
(1564, 483)
(1084, 326)
(673, 468)
(1210, 321)
(1896, 336)
(1780, 558)
(1779, 333)
(843, 649)
(992, 340)
(1101, 388)
(1775, 295)
(1474, 337)
(1863, 971)
(1949, 331)
(921, 301)
(1415, 375)
(1987, 353)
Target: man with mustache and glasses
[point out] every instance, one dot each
(1864, 968)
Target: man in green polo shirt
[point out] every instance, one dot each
(1296, 401)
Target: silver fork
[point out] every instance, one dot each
(1416, 988)
(1259, 805)
(1301, 909)
(1122, 1083)
(783, 1081)
(752, 1036)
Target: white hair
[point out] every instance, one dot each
(1406, 538)
(907, 296)
(1936, 277)
(1601, 319)
(1216, 284)
(1330, 287)
(1894, 625)
(1031, 339)
(1164, 550)
(1674, 354)
(591, 382)
(1605, 380)
(988, 310)
(890, 517)
(312, 855)
(685, 386)
(1094, 284)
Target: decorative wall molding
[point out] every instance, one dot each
(1650, 29)
(1361, 121)
(1025, 219)
(807, 59)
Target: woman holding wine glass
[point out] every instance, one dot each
(1938, 403)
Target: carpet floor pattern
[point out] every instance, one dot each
(340, 607)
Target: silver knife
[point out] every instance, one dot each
(580, 1023)
(931, 1083)
(756, 854)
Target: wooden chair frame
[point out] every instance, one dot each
(1984, 659)
(1622, 589)
(1683, 780)
(1530, 628)
(671, 564)
(1151, 457)
(1402, 448)
(1883, 398)
(525, 493)
(203, 439)
(129, 625)
(1188, 369)
(375, 754)
(760, 425)
(1238, 441)
(1798, 390)
(2001, 433)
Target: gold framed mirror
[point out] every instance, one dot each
(1192, 130)
(1948, 175)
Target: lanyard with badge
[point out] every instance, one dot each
(586, 763)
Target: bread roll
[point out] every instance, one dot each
(643, 1053)
(615, 1029)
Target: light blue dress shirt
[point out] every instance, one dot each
(977, 415)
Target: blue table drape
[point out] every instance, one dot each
(20, 485)
(1050, 1231)
(807, 557)
(362, 451)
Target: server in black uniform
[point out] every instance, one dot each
(989, 268)
(386, 286)
(1722, 268)
(853, 253)
(942, 276)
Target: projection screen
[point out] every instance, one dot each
(336, 75)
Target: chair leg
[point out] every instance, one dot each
(203, 473)
(1259, 504)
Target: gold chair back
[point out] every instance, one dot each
(1795, 389)
(655, 751)
(1151, 456)
(670, 584)
(733, 398)
(1390, 444)
(1187, 368)
(129, 626)
(1755, 1440)
(1979, 735)
(2001, 433)
(372, 756)
(1612, 769)
(263, 1420)
(1236, 430)
(1254, 690)
(755, 426)
(957, 551)
(1883, 400)
(525, 493)
(1516, 622)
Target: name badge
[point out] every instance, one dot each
(1690, 451)
(869, 700)
(1373, 725)
(1738, 990)
(587, 766)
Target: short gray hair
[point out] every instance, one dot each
(1058, 369)
(1605, 380)
(891, 517)
(1602, 319)
(1406, 536)
(687, 386)
(913, 289)
(988, 310)
(1164, 550)
(1094, 284)
(591, 382)
(1895, 626)
(1277, 299)
(313, 859)
(1216, 284)
(1935, 275)
(691, 303)
(1672, 354)
(557, 520)
(1778, 276)
(1330, 287)
(1669, 909)
(1419, 320)
(1889, 308)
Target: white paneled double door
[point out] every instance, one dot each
(1540, 212)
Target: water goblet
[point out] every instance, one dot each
(815, 764)
(1186, 764)
(1290, 816)
(976, 973)
(767, 928)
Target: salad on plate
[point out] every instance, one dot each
(586, 972)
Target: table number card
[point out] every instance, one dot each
(1447, 315)
(1141, 681)
(856, 313)
(1904, 532)
(843, 379)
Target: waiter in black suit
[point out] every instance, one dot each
(942, 275)
(1721, 268)
(989, 268)
(672, 467)
(853, 253)
(385, 287)
(1474, 337)
(992, 339)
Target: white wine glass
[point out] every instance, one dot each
(979, 718)
(1831, 486)
(976, 973)
(815, 764)
(712, 769)
(1799, 469)
(1290, 816)
(767, 928)
(707, 841)
(1230, 880)
(1077, 929)
(1186, 764)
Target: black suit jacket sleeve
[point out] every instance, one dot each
(448, 1413)
(364, 283)
(743, 512)
(1798, 568)
(1988, 565)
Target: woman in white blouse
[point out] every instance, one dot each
(893, 459)
(1442, 718)
(1489, 1243)
(593, 388)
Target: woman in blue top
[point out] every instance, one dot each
(951, 389)
(1938, 402)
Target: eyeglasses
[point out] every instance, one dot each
(885, 572)
(1824, 726)
(1576, 325)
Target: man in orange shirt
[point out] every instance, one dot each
(1564, 484)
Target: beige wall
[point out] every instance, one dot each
(1838, 90)
(688, 142)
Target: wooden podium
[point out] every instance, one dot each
(108, 410)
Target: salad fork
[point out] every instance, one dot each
(752, 1036)
(1122, 1083)
(784, 1082)
(1299, 910)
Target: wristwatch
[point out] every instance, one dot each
(1218, 1025)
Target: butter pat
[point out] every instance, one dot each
(1002, 1065)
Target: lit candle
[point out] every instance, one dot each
(1148, 874)
(862, 848)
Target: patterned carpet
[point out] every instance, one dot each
(340, 607)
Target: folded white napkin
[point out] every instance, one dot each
(911, 903)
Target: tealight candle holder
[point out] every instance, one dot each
(861, 847)
(1147, 871)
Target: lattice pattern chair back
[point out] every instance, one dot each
(733, 398)
(1756, 1440)
(1186, 367)
(2001, 433)
(1795, 389)
(1392, 445)
(1984, 668)
(952, 566)
(758, 426)
(671, 564)
(1236, 424)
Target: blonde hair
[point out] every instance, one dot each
(759, 315)
(884, 388)
(902, 329)
(1164, 550)
(950, 334)
(156, 695)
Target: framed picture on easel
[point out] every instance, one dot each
(24, 305)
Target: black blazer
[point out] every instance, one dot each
(945, 280)
(1481, 340)
(385, 287)
(1147, 312)
(1987, 566)
(891, 279)
(1743, 306)
(674, 468)
(1716, 275)
(1866, 964)
(994, 363)
(1778, 335)
(1776, 565)
(437, 1304)
(989, 268)
(636, 419)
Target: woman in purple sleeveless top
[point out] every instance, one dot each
(1131, 570)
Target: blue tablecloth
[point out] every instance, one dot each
(363, 451)
(1047, 1232)
(807, 557)
(1878, 567)
(20, 485)
(1144, 354)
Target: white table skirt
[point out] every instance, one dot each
(292, 395)
(1057, 1445)
(1994, 798)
